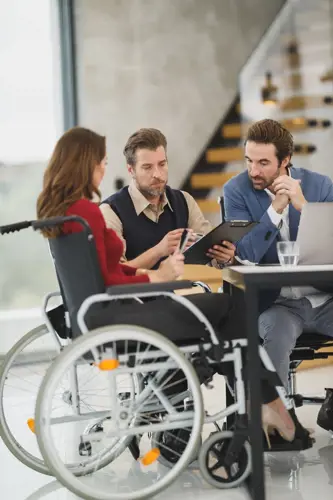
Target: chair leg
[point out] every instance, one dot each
(299, 399)
(292, 382)
(292, 388)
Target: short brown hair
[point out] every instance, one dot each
(69, 174)
(272, 132)
(145, 138)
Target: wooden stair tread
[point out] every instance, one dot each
(327, 77)
(233, 130)
(227, 155)
(303, 102)
(199, 181)
(208, 205)
(224, 155)
(237, 130)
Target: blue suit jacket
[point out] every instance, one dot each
(243, 202)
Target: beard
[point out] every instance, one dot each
(152, 192)
(260, 183)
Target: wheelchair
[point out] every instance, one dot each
(117, 411)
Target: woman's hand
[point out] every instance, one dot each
(169, 270)
(140, 272)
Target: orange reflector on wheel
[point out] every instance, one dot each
(108, 364)
(150, 457)
(31, 424)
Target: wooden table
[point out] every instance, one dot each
(207, 274)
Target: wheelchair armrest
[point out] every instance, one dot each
(168, 286)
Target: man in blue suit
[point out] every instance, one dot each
(273, 193)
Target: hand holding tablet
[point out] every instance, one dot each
(229, 232)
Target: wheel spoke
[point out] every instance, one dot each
(218, 465)
(124, 478)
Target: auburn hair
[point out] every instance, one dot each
(69, 174)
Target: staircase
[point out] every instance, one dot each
(300, 111)
(212, 167)
(223, 156)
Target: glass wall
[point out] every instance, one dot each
(31, 121)
(297, 52)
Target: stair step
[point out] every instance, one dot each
(327, 77)
(209, 205)
(304, 102)
(295, 80)
(227, 155)
(235, 130)
(200, 181)
(224, 155)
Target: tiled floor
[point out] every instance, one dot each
(288, 476)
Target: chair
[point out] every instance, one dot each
(308, 347)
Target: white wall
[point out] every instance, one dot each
(170, 64)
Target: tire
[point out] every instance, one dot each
(69, 356)
(193, 465)
(244, 462)
(9, 439)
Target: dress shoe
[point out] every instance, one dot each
(274, 421)
(301, 433)
(325, 415)
(302, 439)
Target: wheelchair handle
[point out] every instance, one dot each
(59, 221)
(17, 226)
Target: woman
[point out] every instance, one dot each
(71, 186)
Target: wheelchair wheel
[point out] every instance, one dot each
(19, 385)
(212, 461)
(110, 471)
(170, 447)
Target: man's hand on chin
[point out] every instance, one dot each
(285, 185)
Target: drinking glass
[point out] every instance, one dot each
(288, 253)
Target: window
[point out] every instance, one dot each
(31, 121)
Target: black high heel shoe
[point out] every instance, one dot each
(302, 438)
(301, 433)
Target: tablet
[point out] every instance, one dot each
(231, 231)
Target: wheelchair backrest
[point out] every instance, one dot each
(78, 271)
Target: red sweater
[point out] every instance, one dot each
(109, 246)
